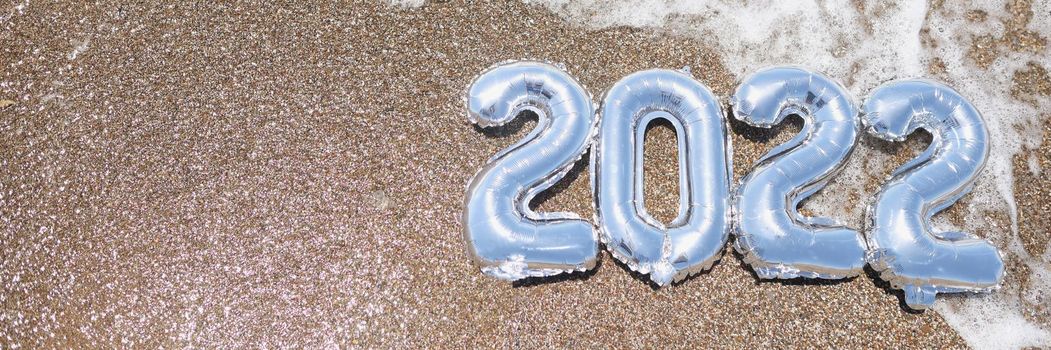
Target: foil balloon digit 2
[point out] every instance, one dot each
(904, 250)
(692, 241)
(774, 238)
(505, 237)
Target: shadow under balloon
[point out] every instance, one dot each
(511, 128)
(645, 279)
(585, 275)
(761, 135)
(562, 277)
(580, 166)
(798, 281)
(888, 290)
(916, 141)
(871, 274)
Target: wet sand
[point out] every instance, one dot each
(248, 175)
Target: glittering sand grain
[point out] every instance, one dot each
(248, 175)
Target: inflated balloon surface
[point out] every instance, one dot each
(505, 237)
(903, 248)
(693, 240)
(508, 240)
(773, 237)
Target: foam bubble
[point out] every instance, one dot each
(864, 45)
(980, 318)
(408, 3)
(1034, 164)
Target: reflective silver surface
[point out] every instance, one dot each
(691, 242)
(773, 237)
(506, 238)
(903, 248)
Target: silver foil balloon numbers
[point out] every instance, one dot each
(693, 240)
(508, 240)
(774, 238)
(505, 237)
(904, 250)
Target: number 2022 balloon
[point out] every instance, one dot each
(771, 235)
(507, 239)
(693, 240)
(903, 248)
(510, 241)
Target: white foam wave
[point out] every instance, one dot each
(864, 46)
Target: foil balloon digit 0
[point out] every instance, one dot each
(691, 242)
(773, 237)
(505, 237)
(903, 249)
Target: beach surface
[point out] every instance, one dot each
(257, 175)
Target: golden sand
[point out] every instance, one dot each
(245, 175)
